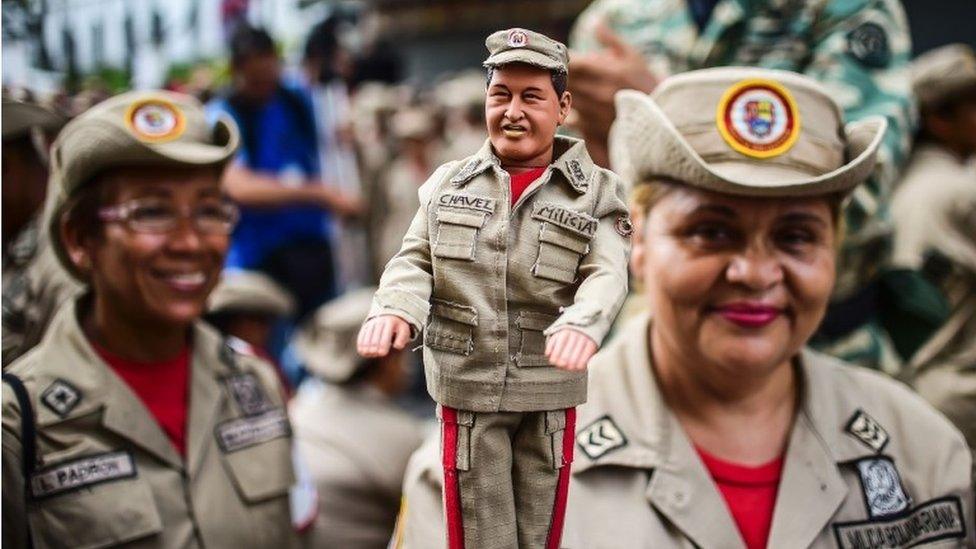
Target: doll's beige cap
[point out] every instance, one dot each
(742, 131)
(525, 46)
(139, 128)
(327, 342)
(943, 73)
(250, 292)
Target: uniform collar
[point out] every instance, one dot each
(69, 357)
(571, 160)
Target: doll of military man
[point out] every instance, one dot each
(514, 268)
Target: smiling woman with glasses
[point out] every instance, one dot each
(133, 421)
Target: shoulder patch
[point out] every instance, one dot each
(249, 394)
(865, 429)
(600, 438)
(82, 473)
(868, 43)
(937, 519)
(466, 172)
(884, 494)
(61, 397)
(578, 178)
(240, 433)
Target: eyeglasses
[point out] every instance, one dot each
(160, 216)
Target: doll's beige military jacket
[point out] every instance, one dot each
(869, 465)
(108, 475)
(487, 281)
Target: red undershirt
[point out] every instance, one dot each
(161, 386)
(521, 181)
(749, 492)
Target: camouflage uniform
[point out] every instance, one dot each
(858, 49)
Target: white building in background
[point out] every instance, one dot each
(190, 30)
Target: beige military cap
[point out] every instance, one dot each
(943, 73)
(525, 46)
(466, 89)
(18, 117)
(413, 123)
(327, 342)
(150, 128)
(742, 131)
(251, 292)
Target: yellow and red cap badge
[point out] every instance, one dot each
(758, 118)
(155, 120)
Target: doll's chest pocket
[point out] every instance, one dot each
(564, 239)
(456, 235)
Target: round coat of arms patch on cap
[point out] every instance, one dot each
(517, 38)
(155, 120)
(758, 118)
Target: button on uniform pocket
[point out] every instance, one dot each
(451, 327)
(532, 344)
(560, 252)
(457, 233)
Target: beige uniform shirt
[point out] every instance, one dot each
(110, 476)
(34, 287)
(356, 443)
(421, 521)
(869, 464)
(396, 204)
(934, 211)
(487, 281)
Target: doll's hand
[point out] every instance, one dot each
(570, 349)
(379, 332)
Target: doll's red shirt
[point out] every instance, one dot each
(749, 492)
(162, 386)
(521, 181)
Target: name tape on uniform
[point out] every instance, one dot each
(467, 202)
(82, 473)
(938, 519)
(237, 434)
(600, 438)
(572, 220)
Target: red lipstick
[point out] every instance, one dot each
(748, 315)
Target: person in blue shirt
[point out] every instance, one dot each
(276, 178)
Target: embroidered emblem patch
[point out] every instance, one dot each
(623, 226)
(864, 428)
(61, 397)
(82, 473)
(155, 120)
(578, 222)
(579, 178)
(938, 519)
(517, 38)
(467, 171)
(468, 202)
(237, 434)
(600, 438)
(883, 490)
(868, 43)
(758, 118)
(249, 394)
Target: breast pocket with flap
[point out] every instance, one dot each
(457, 233)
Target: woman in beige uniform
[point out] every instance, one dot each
(133, 423)
(712, 425)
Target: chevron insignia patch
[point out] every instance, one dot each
(864, 428)
(600, 438)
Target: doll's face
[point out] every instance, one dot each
(523, 111)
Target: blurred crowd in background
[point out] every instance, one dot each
(335, 144)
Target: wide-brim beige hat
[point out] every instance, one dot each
(326, 343)
(742, 131)
(250, 292)
(18, 117)
(141, 128)
(944, 73)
